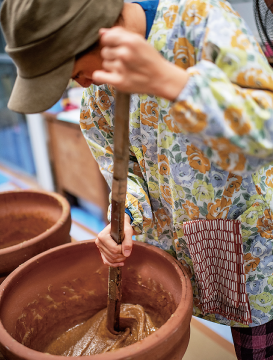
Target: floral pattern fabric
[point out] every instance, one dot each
(207, 155)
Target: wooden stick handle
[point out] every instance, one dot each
(119, 189)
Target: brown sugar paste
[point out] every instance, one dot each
(93, 337)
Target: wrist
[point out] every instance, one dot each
(127, 218)
(171, 82)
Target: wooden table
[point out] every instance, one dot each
(75, 169)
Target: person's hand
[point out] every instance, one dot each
(112, 254)
(132, 65)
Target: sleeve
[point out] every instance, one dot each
(226, 108)
(96, 121)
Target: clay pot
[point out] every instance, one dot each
(64, 286)
(30, 223)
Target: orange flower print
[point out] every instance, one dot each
(149, 113)
(94, 106)
(264, 100)
(235, 119)
(225, 161)
(197, 160)
(195, 12)
(85, 114)
(183, 53)
(170, 16)
(142, 164)
(250, 263)
(258, 189)
(222, 145)
(218, 209)
(265, 225)
(255, 78)
(103, 100)
(170, 121)
(103, 125)
(240, 41)
(163, 162)
(233, 185)
(166, 193)
(86, 121)
(191, 209)
(162, 220)
(225, 149)
(269, 177)
(191, 120)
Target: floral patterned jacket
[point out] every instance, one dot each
(208, 154)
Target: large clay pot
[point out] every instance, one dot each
(30, 223)
(64, 286)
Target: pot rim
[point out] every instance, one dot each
(62, 219)
(161, 335)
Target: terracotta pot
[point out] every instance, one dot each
(64, 286)
(30, 223)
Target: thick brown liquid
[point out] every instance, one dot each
(93, 337)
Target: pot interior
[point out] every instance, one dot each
(67, 286)
(25, 215)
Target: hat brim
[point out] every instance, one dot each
(28, 95)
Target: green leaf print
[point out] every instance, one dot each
(219, 194)
(178, 158)
(176, 148)
(185, 159)
(176, 204)
(246, 196)
(187, 190)
(167, 152)
(199, 176)
(204, 210)
(260, 276)
(236, 200)
(209, 152)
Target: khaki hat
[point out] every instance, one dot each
(43, 37)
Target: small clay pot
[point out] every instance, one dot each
(64, 286)
(30, 223)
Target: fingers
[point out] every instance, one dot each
(127, 245)
(112, 53)
(108, 263)
(116, 36)
(104, 77)
(112, 254)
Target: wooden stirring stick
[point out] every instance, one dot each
(119, 188)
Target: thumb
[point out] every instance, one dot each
(127, 244)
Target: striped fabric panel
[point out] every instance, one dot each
(217, 254)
